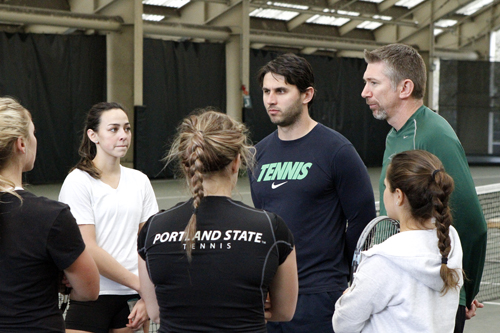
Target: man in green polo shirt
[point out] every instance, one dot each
(395, 80)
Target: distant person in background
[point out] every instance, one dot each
(411, 282)
(207, 264)
(39, 238)
(395, 80)
(313, 177)
(110, 203)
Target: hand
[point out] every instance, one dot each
(65, 281)
(64, 285)
(267, 309)
(138, 316)
(471, 312)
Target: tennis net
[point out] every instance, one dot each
(489, 197)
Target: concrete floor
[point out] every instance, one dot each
(169, 192)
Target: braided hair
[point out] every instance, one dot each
(207, 141)
(420, 175)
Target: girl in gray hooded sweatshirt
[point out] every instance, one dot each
(411, 282)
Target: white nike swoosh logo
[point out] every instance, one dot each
(275, 186)
(404, 137)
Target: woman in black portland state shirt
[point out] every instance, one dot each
(211, 260)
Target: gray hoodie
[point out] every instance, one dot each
(397, 287)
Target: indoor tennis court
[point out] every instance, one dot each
(169, 192)
(162, 59)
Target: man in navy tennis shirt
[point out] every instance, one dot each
(315, 180)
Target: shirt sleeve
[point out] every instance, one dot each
(370, 293)
(150, 205)
(255, 197)
(76, 192)
(284, 237)
(141, 239)
(355, 192)
(252, 178)
(65, 242)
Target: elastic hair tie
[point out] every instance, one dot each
(434, 174)
(195, 211)
(444, 260)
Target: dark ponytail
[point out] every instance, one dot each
(420, 175)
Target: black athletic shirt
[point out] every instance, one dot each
(38, 239)
(237, 252)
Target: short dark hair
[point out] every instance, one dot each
(403, 62)
(296, 70)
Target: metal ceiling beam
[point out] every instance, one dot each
(444, 8)
(160, 10)
(214, 18)
(362, 17)
(349, 26)
(476, 26)
(24, 15)
(298, 20)
(100, 5)
(301, 40)
(187, 30)
(58, 18)
(384, 5)
(455, 55)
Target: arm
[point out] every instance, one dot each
(370, 293)
(255, 199)
(283, 291)
(138, 316)
(356, 195)
(84, 278)
(148, 292)
(252, 172)
(107, 265)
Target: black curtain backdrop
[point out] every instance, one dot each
(178, 78)
(337, 104)
(467, 94)
(57, 78)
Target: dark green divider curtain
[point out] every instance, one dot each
(338, 104)
(57, 78)
(178, 78)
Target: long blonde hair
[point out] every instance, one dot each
(207, 141)
(14, 123)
